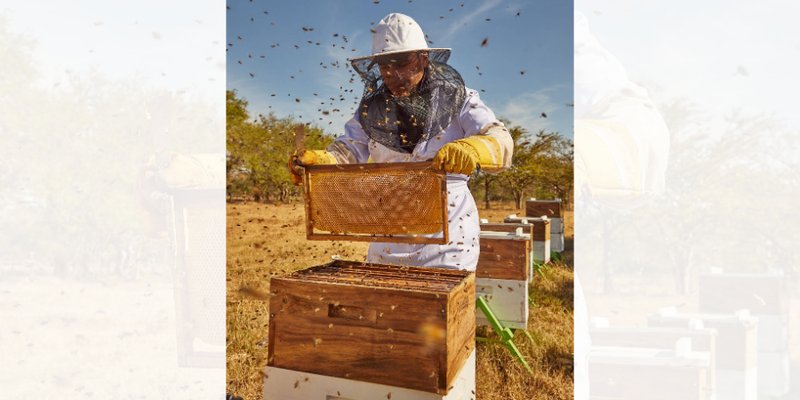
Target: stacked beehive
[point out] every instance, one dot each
(736, 352)
(539, 229)
(764, 297)
(554, 210)
(503, 274)
(357, 331)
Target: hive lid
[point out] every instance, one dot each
(385, 276)
(516, 235)
(514, 219)
(389, 202)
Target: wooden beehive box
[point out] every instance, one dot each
(620, 373)
(539, 233)
(702, 340)
(401, 326)
(736, 335)
(761, 294)
(548, 208)
(542, 226)
(504, 256)
(556, 229)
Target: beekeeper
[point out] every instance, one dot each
(416, 108)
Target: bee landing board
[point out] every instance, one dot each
(408, 327)
(397, 202)
(284, 384)
(538, 228)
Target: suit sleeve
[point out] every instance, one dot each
(486, 133)
(353, 146)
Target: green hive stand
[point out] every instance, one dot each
(506, 334)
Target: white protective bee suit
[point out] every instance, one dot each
(398, 33)
(463, 229)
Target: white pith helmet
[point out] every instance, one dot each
(399, 33)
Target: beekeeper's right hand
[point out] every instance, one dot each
(305, 158)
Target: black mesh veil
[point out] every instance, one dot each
(399, 123)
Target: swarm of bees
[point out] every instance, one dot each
(349, 95)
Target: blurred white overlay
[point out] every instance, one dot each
(686, 176)
(112, 199)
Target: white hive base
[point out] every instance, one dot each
(556, 235)
(773, 333)
(541, 252)
(774, 374)
(556, 225)
(284, 384)
(737, 384)
(557, 242)
(509, 306)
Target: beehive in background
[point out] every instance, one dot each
(553, 210)
(547, 208)
(504, 256)
(538, 228)
(736, 355)
(764, 296)
(406, 327)
(649, 373)
(502, 276)
(702, 342)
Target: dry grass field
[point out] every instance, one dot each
(269, 240)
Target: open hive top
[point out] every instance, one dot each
(400, 202)
(385, 276)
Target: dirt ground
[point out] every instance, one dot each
(269, 240)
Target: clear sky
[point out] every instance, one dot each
(524, 70)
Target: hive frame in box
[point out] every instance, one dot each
(285, 384)
(313, 234)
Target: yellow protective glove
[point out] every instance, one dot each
(308, 157)
(464, 155)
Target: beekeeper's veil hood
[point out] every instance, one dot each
(401, 122)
